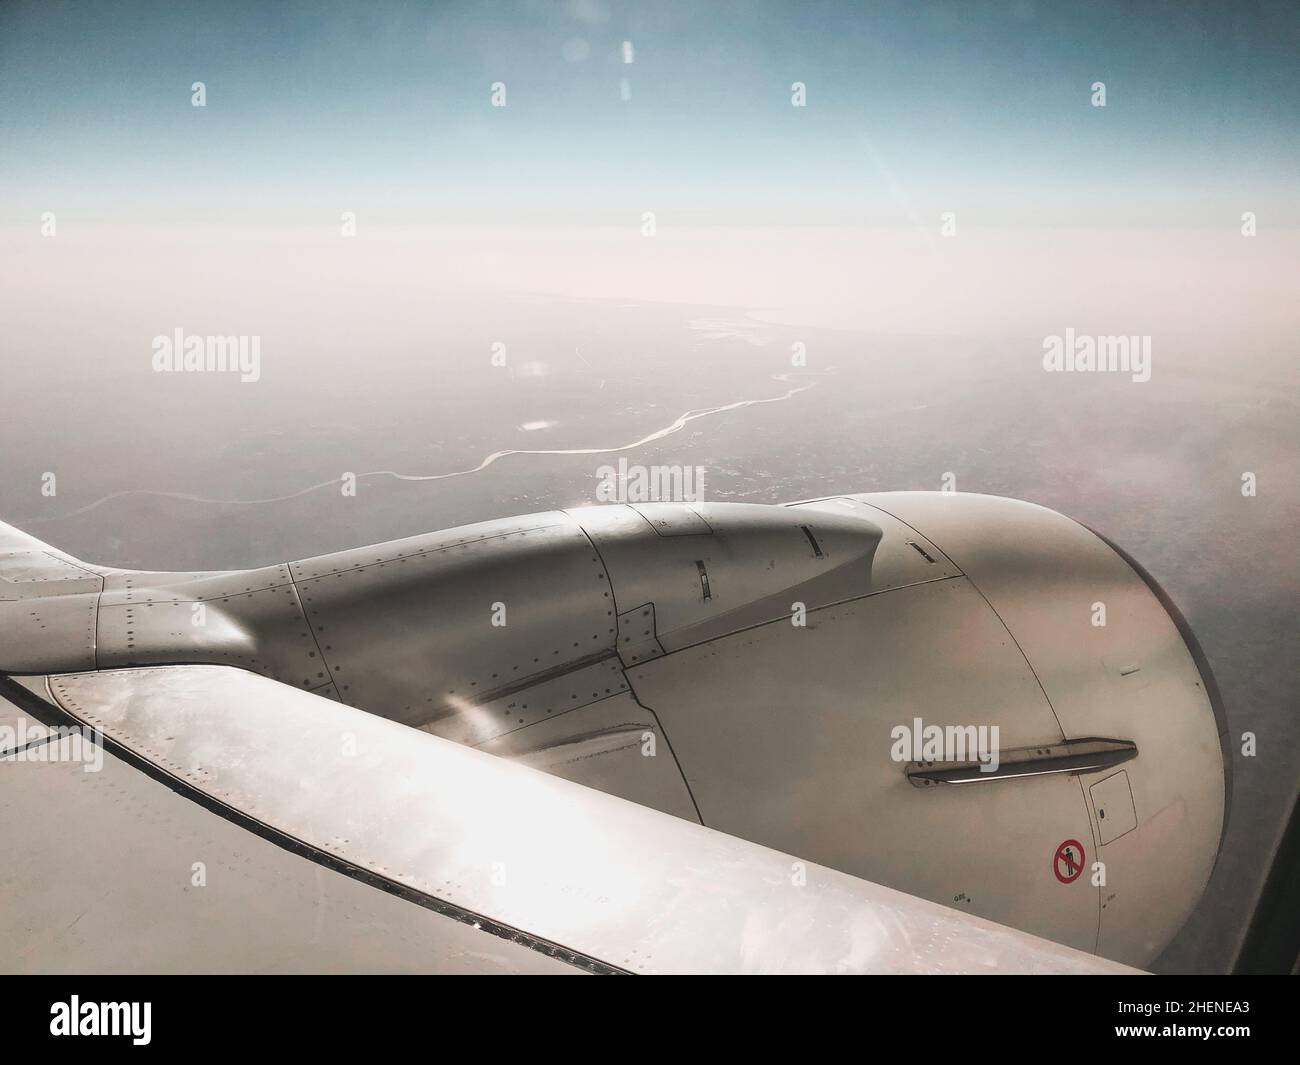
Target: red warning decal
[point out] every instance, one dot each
(1068, 863)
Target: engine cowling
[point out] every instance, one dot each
(756, 668)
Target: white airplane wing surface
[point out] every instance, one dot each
(233, 823)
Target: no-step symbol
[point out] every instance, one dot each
(1068, 863)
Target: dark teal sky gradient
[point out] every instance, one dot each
(913, 109)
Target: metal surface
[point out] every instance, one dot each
(48, 602)
(114, 872)
(1202, 667)
(773, 650)
(784, 734)
(421, 634)
(758, 560)
(614, 745)
(1112, 798)
(535, 702)
(1069, 756)
(1133, 677)
(895, 563)
(246, 620)
(566, 865)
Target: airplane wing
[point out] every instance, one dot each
(227, 822)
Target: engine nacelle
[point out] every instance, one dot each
(756, 668)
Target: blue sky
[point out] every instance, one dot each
(912, 109)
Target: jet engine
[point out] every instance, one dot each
(971, 699)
